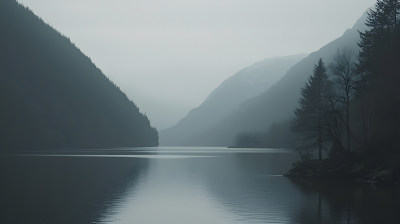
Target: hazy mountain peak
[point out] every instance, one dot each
(360, 24)
(243, 85)
(255, 114)
(260, 76)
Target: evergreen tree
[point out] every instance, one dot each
(377, 90)
(381, 23)
(311, 115)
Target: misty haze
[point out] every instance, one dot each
(188, 111)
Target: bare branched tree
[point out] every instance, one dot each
(343, 69)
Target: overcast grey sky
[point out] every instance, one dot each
(168, 55)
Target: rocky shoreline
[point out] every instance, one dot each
(315, 170)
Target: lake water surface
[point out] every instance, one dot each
(180, 186)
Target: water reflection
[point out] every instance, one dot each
(180, 185)
(171, 192)
(347, 202)
(62, 190)
(240, 187)
(237, 187)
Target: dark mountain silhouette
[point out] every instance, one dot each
(243, 85)
(275, 105)
(53, 96)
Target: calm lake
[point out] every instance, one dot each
(180, 186)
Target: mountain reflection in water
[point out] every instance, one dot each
(179, 185)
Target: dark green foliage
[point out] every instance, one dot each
(381, 22)
(370, 88)
(314, 106)
(378, 93)
(375, 103)
(53, 96)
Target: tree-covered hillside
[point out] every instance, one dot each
(53, 96)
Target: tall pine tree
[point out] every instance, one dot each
(381, 22)
(378, 68)
(310, 120)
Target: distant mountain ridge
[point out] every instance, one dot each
(53, 96)
(243, 85)
(276, 104)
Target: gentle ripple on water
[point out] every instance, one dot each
(179, 185)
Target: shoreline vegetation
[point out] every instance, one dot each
(347, 122)
(349, 111)
(353, 171)
(353, 167)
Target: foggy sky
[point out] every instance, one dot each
(169, 55)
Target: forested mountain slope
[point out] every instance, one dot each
(53, 96)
